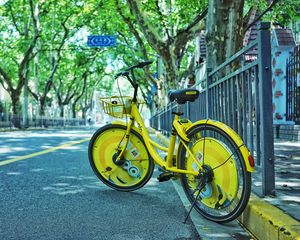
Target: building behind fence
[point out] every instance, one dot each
(293, 86)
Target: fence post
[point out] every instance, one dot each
(265, 102)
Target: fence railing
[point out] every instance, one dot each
(42, 122)
(242, 99)
(293, 86)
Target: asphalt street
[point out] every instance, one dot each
(55, 195)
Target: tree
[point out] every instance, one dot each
(22, 32)
(277, 12)
(72, 80)
(65, 20)
(45, 81)
(168, 35)
(224, 30)
(41, 46)
(131, 46)
(224, 26)
(138, 37)
(99, 82)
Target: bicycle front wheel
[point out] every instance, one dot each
(226, 194)
(137, 167)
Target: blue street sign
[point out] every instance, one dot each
(101, 41)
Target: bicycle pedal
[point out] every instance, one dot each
(165, 176)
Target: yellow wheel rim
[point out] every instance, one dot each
(224, 185)
(136, 156)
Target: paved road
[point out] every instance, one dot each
(55, 195)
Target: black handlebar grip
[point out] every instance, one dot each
(139, 65)
(143, 64)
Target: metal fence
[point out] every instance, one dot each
(242, 99)
(293, 86)
(42, 122)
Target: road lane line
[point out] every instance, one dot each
(8, 161)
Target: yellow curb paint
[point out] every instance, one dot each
(266, 221)
(8, 161)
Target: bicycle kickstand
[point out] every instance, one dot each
(193, 204)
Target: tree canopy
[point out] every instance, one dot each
(43, 43)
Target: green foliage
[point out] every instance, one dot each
(286, 12)
(172, 15)
(64, 26)
(13, 42)
(283, 13)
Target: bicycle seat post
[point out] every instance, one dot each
(178, 110)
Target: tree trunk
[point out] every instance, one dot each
(84, 110)
(62, 110)
(15, 100)
(74, 110)
(224, 28)
(171, 74)
(42, 109)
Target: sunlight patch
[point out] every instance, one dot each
(36, 170)
(80, 177)
(19, 149)
(64, 189)
(46, 147)
(5, 150)
(290, 198)
(218, 235)
(61, 184)
(13, 173)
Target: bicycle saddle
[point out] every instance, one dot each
(183, 95)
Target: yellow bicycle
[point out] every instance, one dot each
(212, 161)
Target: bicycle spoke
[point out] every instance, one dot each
(226, 159)
(203, 150)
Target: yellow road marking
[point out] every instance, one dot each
(8, 161)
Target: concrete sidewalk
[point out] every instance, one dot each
(271, 218)
(277, 217)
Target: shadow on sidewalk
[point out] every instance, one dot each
(287, 178)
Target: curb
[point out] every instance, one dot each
(266, 221)
(263, 220)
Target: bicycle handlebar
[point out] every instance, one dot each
(132, 81)
(139, 65)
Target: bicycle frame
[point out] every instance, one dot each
(214, 161)
(151, 145)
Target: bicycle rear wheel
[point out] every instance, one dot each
(226, 195)
(137, 168)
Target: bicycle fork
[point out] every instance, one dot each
(118, 158)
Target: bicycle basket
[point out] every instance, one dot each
(117, 106)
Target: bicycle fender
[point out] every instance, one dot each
(230, 132)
